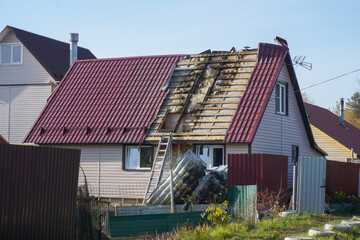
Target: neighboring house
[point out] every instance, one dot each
(341, 141)
(3, 140)
(30, 67)
(214, 103)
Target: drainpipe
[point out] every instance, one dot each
(74, 38)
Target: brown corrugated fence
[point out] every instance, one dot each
(38, 192)
(264, 170)
(342, 176)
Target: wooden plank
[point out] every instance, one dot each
(174, 97)
(233, 77)
(179, 91)
(226, 96)
(180, 86)
(188, 68)
(211, 120)
(199, 138)
(218, 61)
(187, 134)
(249, 52)
(218, 108)
(236, 83)
(231, 89)
(173, 103)
(233, 66)
(220, 102)
(212, 114)
(211, 127)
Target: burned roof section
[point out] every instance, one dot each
(204, 92)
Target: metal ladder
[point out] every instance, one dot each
(161, 155)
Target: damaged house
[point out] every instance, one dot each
(123, 112)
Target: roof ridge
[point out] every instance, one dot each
(132, 57)
(52, 39)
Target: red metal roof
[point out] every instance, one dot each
(3, 140)
(105, 101)
(327, 122)
(256, 96)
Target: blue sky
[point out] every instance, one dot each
(326, 32)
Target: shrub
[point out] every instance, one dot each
(270, 203)
(217, 215)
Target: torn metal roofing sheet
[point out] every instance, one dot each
(328, 123)
(105, 101)
(261, 84)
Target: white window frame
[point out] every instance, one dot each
(281, 109)
(210, 165)
(137, 167)
(12, 55)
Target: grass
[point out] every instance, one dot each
(278, 228)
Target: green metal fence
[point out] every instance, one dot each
(124, 226)
(242, 200)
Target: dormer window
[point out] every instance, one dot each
(11, 53)
(281, 96)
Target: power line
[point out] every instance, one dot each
(330, 79)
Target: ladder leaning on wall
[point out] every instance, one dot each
(162, 153)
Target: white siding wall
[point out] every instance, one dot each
(277, 133)
(103, 163)
(236, 148)
(26, 102)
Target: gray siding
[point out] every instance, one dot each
(102, 164)
(23, 103)
(277, 133)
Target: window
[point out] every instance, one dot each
(281, 98)
(212, 155)
(294, 153)
(138, 158)
(11, 54)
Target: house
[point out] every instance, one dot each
(334, 135)
(3, 140)
(214, 103)
(30, 67)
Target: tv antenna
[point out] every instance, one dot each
(299, 60)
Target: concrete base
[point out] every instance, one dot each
(317, 232)
(351, 223)
(338, 227)
(287, 213)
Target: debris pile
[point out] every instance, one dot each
(190, 179)
(187, 175)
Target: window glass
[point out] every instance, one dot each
(145, 157)
(204, 154)
(218, 157)
(6, 54)
(282, 98)
(212, 155)
(132, 158)
(16, 54)
(277, 97)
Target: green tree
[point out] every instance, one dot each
(349, 112)
(354, 103)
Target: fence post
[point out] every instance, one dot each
(358, 195)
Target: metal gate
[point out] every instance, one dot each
(310, 179)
